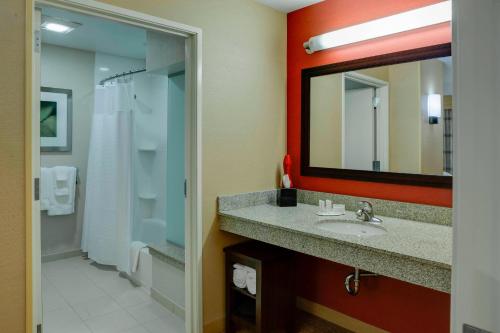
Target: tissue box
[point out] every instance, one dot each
(287, 197)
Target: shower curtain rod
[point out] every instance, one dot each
(121, 75)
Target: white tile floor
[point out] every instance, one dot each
(81, 297)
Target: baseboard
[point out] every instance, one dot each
(169, 304)
(215, 326)
(63, 255)
(335, 317)
(315, 309)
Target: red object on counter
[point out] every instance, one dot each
(287, 168)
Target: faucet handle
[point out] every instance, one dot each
(366, 206)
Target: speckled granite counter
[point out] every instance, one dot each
(415, 252)
(168, 252)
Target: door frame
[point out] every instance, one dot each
(193, 35)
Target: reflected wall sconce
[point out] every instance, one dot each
(389, 25)
(434, 107)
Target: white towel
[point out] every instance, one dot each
(240, 276)
(46, 188)
(245, 277)
(60, 186)
(252, 281)
(135, 251)
(61, 174)
(61, 191)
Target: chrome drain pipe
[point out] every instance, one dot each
(352, 281)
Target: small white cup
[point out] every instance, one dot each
(322, 206)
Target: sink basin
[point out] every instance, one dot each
(360, 229)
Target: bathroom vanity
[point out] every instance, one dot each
(413, 243)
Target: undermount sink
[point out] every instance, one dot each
(361, 229)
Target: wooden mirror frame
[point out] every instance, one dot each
(430, 52)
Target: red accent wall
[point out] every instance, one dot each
(334, 14)
(386, 303)
(390, 304)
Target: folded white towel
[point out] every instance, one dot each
(252, 282)
(46, 188)
(135, 251)
(245, 277)
(240, 276)
(61, 174)
(60, 187)
(61, 191)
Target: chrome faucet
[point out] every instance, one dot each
(365, 213)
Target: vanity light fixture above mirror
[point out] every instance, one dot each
(389, 25)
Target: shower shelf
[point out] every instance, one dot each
(151, 148)
(153, 220)
(147, 196)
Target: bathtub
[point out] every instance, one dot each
(151, 231)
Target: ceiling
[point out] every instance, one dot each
(288, 6)
(98, 35)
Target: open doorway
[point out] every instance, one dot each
(115, 162)
(366, 123)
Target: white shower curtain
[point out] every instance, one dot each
(108, 214)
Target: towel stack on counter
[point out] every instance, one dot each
(57, 187)
(245, 277)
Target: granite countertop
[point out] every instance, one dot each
(416, 252)
(425, 242)
(168, 251)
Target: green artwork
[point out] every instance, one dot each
(48, 119)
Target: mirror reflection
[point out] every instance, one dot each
(394, 118)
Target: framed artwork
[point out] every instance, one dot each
(55, 119)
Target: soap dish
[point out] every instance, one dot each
(331, 213)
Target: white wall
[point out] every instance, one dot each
(79, 71)
(69, 69)
(476, 225)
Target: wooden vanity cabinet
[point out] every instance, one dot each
(271, 310)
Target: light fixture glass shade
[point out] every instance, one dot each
(58, 25)
(434, 108)
(406, 21)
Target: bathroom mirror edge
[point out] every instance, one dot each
(424, 53)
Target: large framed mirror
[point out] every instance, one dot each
(386, 118)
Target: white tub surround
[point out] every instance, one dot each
(411, 251)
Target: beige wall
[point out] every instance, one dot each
(381, 73)
(326, 121)
(415, 146)
(69, 69)
(404, 118)
(244, 73)
(431, 73)
(244, 93)
(12, 201)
